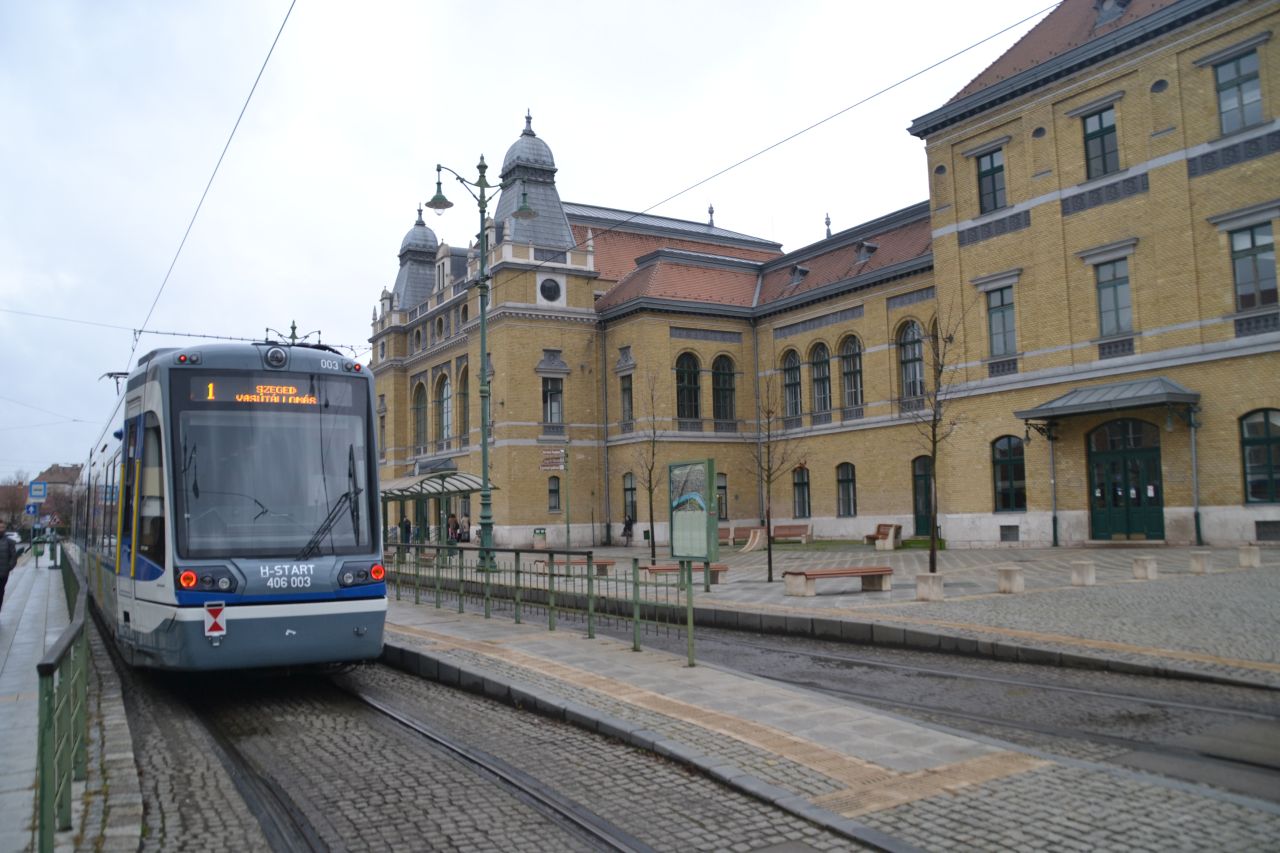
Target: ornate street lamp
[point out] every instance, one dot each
(440, 204)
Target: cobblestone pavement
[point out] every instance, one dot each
(909, 781)
(1219, 625)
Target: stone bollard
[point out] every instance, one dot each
(1009, 579)
(1250, 557)
(1201, 562)
(929, 588)
(1144, 568)
(885, 544)
(1083, 573)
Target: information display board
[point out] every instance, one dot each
(694, 522)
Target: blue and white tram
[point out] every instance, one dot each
(229, 517)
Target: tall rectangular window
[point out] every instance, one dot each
(722, 496)
(1239, 92)
(800, 486)
(553, 494)
(991, 181)
(846, 491)
(1000, 321)
(552, 400)
(1101, 144)
(1253, 264)
(1115, 314)
(624, 392)
(629, 495)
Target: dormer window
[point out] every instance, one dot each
(866, 249)
(797, 274)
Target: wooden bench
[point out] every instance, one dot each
(602, 566)
(874, 578)
(802, 532)
(648, 573)
(889, 534)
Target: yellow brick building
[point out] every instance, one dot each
(1085, 306)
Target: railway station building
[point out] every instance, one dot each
(1086, 305)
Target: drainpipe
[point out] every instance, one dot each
(1195, 472)
(1053, 482)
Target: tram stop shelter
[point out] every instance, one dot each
(441, 483)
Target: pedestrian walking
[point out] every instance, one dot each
(8, 558)
(627, 532)
(406, 528)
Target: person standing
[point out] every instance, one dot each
(406, 529)
(8, 558)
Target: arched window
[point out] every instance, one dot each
(800, 492)
(444, 410)
(417, 339)
(791, 385)
(382, 350)
(1009, 473)
(1260, 447)
(846, 491)
(464, 404)
(820, 372)
(553, 494)
(723, 406)
(463, 315)
(419, 417)
(851, 373)
(911, 360)
(629, 495)
(439, 328)
(688, 404)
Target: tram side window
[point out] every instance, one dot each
(151, 497)
(130, 456)
(109, 497)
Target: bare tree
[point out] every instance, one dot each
(931, 413)
(13, 498)
(646, 452)
(773, 454)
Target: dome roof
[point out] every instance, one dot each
(420, 238)
(528, 150)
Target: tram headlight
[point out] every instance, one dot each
(361, 574)
(276, 357)
(187, 580)
(377, 572)
(348, 578)
(224, 583)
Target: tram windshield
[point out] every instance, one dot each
(270, 466)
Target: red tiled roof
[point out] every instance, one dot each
(668, 278)
(904, 243)
(616, 251)
(1067, 27)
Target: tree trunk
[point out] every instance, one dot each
(768, 536)
(653, 536)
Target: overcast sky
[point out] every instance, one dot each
(115, 113)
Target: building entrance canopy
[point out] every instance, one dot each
(439, 484)
(1117, 396)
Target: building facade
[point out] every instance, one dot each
(1084, 310)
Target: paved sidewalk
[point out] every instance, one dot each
(32, 619)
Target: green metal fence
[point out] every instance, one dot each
(62, 746)
(548, 585)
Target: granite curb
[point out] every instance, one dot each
(424, 664)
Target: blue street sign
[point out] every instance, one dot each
(32, 509)
(37, 491)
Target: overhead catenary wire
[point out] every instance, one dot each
(209, 184)
(805, 130)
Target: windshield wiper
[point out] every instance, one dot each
(347, 499)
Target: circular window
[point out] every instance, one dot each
(1159, 86)
(1038, 133)
(550, 289)
(940, 170)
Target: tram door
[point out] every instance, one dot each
(1126, 495)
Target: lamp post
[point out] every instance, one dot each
(440, 204)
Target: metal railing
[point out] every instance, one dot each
(555, 585)
(62, 744)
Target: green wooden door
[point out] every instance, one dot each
(1126, 495)
(922, 494)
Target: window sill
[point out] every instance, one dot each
(1090, 183)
